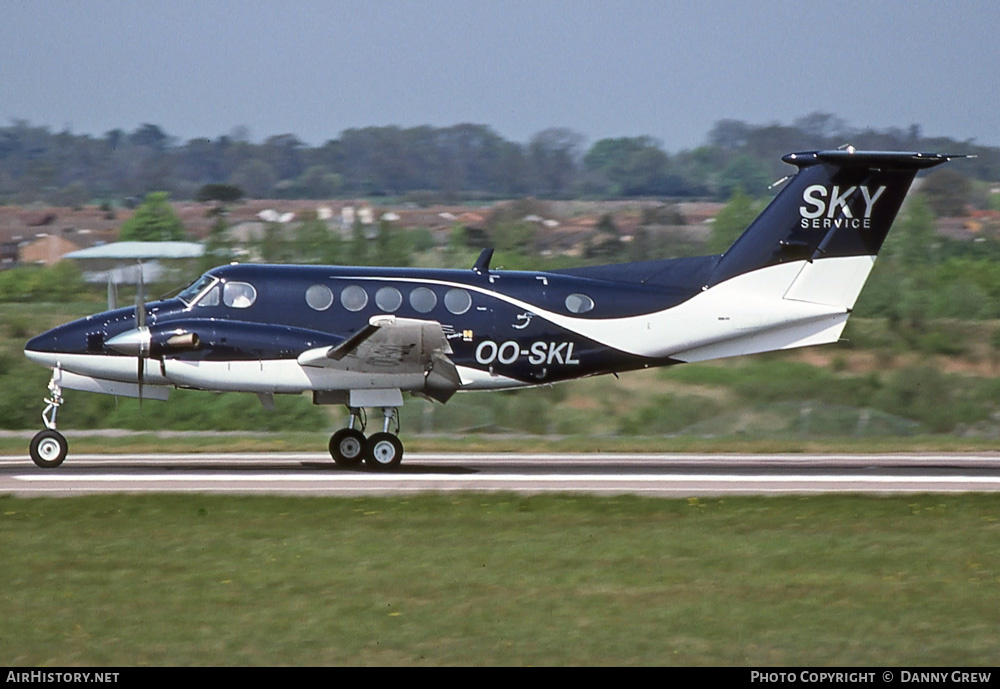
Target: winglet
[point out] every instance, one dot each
(483, 262)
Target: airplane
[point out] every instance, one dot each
(362, 337)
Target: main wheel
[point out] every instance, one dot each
(48, 449)
(347, 447)
(384, 451)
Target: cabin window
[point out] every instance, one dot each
(209, 298)
(579, 303)
(458, 301)
(388, 299)
(354, 298)
(319, 297)
(423, 300)
(239, 295)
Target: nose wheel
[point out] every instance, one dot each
(49, 447)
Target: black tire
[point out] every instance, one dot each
(383, 451)
(48, 449)
(347, 447)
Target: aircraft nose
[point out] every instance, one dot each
(78, 337)
(42, 348)
(92, 335)
(46, 342)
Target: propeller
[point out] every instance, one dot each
(138, 341)
(140, 325)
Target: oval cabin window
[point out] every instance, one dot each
(354, 298)
(423, 300)
(579, 303)
(319, 297)
(388, 299)
(457, 301)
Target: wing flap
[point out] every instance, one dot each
(387, 344)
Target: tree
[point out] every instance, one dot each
(634, 166)
(153, 221)
(255, 177)
(225, 193)
(313, 242)
(319, 182)
(218, 247)
(911, 242)
(729, 134)
(745, 173)
(554, 153)
(822, 127)
(947, 193)
(732, 220)
(150, 135)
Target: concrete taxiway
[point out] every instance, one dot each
(675, 475)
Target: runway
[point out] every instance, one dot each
(669, 475)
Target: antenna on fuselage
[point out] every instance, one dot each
(483, 262)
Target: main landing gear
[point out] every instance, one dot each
(48, 448)
(383, 450)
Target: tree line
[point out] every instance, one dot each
(431, 164)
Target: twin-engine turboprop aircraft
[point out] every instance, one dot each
(363, 336)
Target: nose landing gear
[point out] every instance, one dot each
(49, 447)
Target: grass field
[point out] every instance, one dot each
(500, 580)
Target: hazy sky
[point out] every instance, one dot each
(616, 68)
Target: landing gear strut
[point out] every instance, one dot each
(48, 448)
(383, 450)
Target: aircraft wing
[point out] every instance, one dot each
(391, 345)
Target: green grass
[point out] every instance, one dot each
(500, 579)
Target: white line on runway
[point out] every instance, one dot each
(499, 478)
(788, 459)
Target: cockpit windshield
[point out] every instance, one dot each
(191, 293)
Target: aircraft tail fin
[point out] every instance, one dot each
(792, 278)
(840, 204)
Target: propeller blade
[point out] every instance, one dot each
(112, 292)
(141, 376)
(140, 324)
(140, 301)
